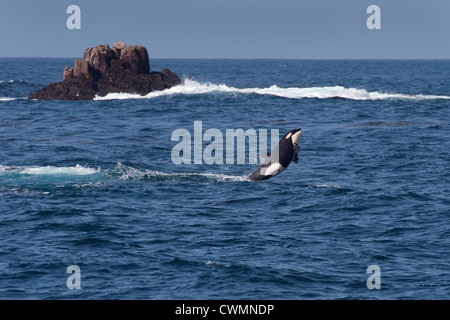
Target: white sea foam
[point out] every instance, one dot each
(121, 172)
(49, 170)
(192, 87)
(331, 186)
(9, 81)
(129, 173)
(11, 98)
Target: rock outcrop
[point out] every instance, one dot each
(106, 70)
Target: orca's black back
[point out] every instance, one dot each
(286, 152)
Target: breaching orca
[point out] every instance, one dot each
(282, 155)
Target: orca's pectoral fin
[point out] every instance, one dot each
(295, 158)
(296, 148)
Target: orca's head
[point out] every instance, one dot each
(294, 135)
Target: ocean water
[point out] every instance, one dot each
(92, 184)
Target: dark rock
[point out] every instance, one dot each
(135, 59)
(104, 70)
(68, 74)
(119, 45)
(99, 57)
(74, 89)
(83, 70)
(170, 78)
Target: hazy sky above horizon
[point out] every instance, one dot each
(298, 29)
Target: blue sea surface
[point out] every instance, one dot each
(92, 184)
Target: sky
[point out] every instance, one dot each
(253, 29)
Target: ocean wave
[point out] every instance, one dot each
(331, 186)
(11, 98)
(49, 170)
(193, 87)
(120, 172)
(47, 179)
(57, 171)
(7, 85)
(15, 81)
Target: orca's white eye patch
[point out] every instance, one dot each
(289, 135)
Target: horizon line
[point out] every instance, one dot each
(224, 58)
